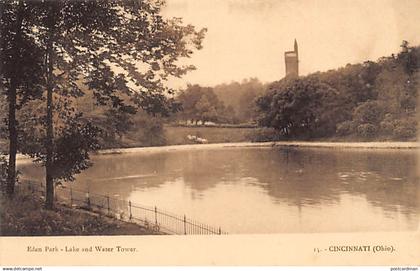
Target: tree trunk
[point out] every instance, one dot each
(13, 138)
(49, 180)
(11, 170)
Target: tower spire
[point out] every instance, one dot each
(296, 47)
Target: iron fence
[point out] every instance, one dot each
(151, 217)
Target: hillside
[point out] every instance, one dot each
(366, 101)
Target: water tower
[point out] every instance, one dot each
(292, 62)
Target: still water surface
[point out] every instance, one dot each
(266, 190)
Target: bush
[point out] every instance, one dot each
(345, 128)
(404, 129)
(265, 135)
(370, 112)
(367, 130)
(387, 127)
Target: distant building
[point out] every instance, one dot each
(292, 62)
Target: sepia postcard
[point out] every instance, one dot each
(209, 133)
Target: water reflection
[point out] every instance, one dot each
(267, 189)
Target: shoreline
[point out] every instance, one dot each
(290, 144)
(273, 144)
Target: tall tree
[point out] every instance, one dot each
(21, 69)
(298, 108)
(117, 49)
(201, 104)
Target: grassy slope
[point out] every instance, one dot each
(24, 215)
(178, 135)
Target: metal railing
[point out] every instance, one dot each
(151, 217)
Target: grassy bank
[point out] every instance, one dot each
(24, 215)
(177, 135)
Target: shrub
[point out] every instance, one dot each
(387, 127)
(345, 128)
(367, 130)
(264, 135)
(369, 112)
(404, 129)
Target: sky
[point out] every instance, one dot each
(248, 38)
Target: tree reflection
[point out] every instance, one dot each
(296, 177)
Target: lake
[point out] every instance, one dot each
(266, 190)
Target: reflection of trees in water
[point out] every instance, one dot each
(206, 169)
(312, 176)
(121, 174)
(386, 180)
(315, 176)
(295, 176)
(113, 174)
(292, 176)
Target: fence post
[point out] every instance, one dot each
(185, 225)
(129, 207)
(107, 202)
(71, 197)
(220, 231)
(156, 216)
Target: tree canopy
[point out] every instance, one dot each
(240, 97)
(121, 51)
(201, 104)
(369, 100)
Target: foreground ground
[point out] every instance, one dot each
(24, 215)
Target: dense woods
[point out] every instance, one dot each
(372, 101)
(202, 104)
(366, 101)
(232, 103)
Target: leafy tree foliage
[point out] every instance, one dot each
(21, 68)
(369, 100)
(295, 108)
(115, 49)
(225, 103)
(240, 97)
(370, 112)
(121, 129)
(201, 104)
(118, 123)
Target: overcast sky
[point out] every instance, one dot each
(247, 38)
